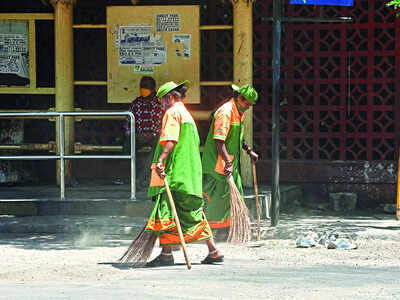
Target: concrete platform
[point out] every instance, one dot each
(72, 224)
(86, 199)
(109, 199)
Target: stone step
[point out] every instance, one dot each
(82, 207)
(113, 200)
(76, 224)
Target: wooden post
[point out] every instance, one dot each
(243, 70)
(64, 72)
(276, 69)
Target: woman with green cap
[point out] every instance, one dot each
(177, 158)
(221, 155)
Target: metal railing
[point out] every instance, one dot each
(62, 156)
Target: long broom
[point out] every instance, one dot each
(239, 230)
(140, 249)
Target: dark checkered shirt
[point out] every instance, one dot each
(148, 115)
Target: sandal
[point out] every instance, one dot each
(212, 260)
(158, 262)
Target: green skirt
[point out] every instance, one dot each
(218, 207)
(190, 212)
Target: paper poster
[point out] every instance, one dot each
(116, 36)
(130, 56)
(142, 69)
(14, 54)
(182, 45)
(134, 36)
(138, 45)
(167, 22)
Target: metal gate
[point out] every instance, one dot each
(60, 144)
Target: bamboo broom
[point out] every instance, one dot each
(140, 249)
(239, 230)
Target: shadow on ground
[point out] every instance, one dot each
(361, 225)
(85, 240)
(85, 232)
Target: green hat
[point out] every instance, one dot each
(169, 86)
(247, 91)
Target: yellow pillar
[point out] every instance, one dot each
(64, 71)
(243, 70)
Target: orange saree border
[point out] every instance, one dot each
(199, 233)
(159, 225)
(220, 224)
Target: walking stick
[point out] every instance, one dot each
(257, 202)
(178, 224)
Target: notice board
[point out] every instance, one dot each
(158, 41)
(14, 53)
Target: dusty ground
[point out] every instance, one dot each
(81, 266)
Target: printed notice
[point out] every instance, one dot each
(134, 36)
(167, 22)
(143, 69)
(130, 56)
(14, 54)
(182, 45)
(138, 45)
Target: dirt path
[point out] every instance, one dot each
(78, 266)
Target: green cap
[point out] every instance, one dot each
(169, 86)
(247, 91)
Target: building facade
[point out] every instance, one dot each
(339, 91)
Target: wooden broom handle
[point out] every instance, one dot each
(257, 202)
(178, 224)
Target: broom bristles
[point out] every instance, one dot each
(239, 230)
(140, 249)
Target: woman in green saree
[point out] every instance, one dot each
(177, 158)
(221, 155)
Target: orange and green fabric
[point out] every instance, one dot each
(184, 175)
(227, 125)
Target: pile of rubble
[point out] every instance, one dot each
(329, 240)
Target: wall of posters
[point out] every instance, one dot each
(158, 41)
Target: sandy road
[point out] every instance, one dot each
(57, 266)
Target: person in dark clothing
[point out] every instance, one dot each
(148, 114)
